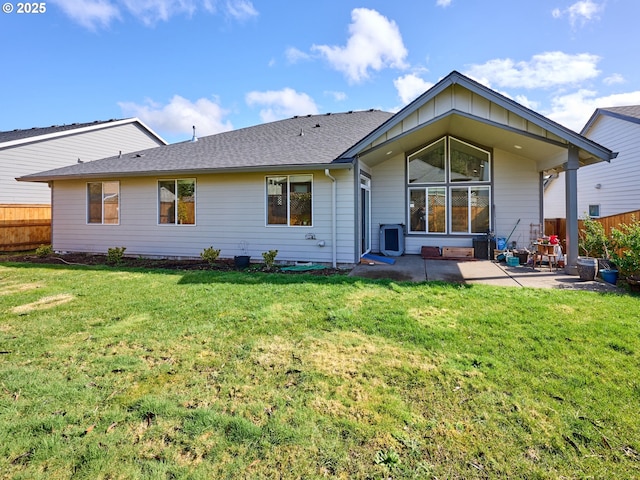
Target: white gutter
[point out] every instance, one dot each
(334, 218)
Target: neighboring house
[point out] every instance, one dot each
(458, 161)
(605, 189)
(23, 152)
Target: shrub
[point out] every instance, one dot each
(269, 258)
(593, 240)
(44, 250)
(115, 255)
(626, 244)
(210, 255)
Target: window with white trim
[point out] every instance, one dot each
(177, 202)
(449, 188)
(594, 211)
(103, 203)
(290, 200)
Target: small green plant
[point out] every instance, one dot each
(626, 243)
(593, 241)
(389, 458)
(269, 258)
(115, 255)
(44, 250)
(210, 255)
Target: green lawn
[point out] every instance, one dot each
(123, 373)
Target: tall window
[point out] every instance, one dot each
(289, 200)
(103, 202)
(449, 188)
(177, 202)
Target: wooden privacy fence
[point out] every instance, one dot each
(558, 226)
(24, 227)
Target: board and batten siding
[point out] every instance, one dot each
(230, 210)
(456, 97)
(515, 195)
(59, 152)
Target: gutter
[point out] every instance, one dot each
(334, 218)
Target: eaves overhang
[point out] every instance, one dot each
(46, 178)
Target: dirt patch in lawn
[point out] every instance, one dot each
(43, 303)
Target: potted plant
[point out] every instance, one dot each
(243, 260)
(595, 244)
(626, 251)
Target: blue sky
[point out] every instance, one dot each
(226, 64)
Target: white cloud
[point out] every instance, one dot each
(443, 3)
(94, 14)
(241, 9)
(179, 115)
(281, 104)
(294, 55)
(614, 79)
(91, 14)
(575, 109)
(549, 69)
(374, 43)
(337, 96)
(410, 87)
(581, 12)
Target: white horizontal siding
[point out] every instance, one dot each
(618, 179)
(516, 196)
(388, 187)
(515, 190)
(60, 152)
(230, 209)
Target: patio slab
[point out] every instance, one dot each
(416, 269)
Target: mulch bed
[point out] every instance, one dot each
(150, 263)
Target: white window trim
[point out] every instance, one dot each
(448, 185)
(86, 208)
(195, 203)
(266, 200)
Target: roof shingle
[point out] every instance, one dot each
(298, 141)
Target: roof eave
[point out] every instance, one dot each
(457, 78)
(342, 165)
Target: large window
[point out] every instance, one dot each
(177, 202)
(103, 202)
(289, 200)
(449, 188)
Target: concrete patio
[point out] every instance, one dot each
(414, 268)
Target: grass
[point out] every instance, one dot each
(124, 373)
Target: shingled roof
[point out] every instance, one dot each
(20, 134)
(302, 141)
(629, 113)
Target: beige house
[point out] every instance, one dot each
(457, 162)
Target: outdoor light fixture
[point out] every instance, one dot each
(598, 186)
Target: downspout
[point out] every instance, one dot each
(334, 219)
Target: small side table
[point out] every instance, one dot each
(546, 250)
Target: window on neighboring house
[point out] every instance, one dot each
(103, 203)
(594, 211)
(449, 188)
(177, 202)
(289, 200)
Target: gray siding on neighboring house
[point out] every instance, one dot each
(618, 180)
(40, 155)
(230, 208)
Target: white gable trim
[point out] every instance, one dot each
(84, 129)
